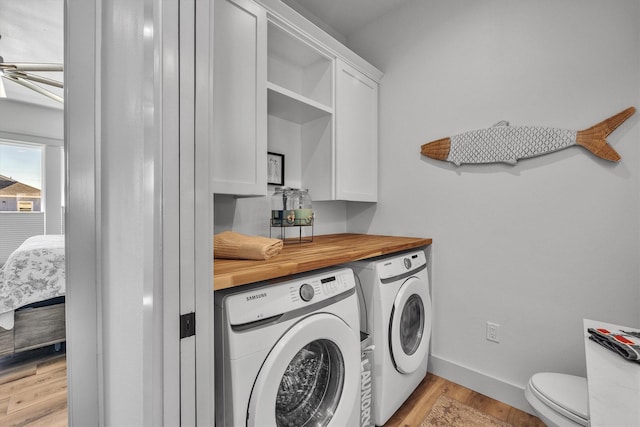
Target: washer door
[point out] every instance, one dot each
(410, 325)
(310, 377)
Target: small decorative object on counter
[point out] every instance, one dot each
(291, 207)
(282, 213)
(302, 207)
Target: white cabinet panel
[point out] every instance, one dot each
(356, 144)
(239, 154)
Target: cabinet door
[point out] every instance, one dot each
(239, 98)
(356, 143)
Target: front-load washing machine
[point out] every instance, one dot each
(288, 353)
(395, 309)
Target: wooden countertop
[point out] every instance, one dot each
(325, 251)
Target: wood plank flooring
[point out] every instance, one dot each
(416, 408)
(33, 389)
(33, 392)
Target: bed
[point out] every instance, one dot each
(32, 288)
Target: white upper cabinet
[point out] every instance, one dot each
(282, 85)
(356, 142)
(323, 116)
(239, 154)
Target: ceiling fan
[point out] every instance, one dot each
(22, 74)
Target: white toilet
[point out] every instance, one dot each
(559, 399)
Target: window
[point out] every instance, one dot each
(20, 177)
(31, 192)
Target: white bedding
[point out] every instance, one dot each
(33, 272)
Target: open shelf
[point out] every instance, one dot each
(299, 67)
(293, 107)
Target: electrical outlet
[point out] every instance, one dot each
(493, 330)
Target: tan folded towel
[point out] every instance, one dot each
(232, 245)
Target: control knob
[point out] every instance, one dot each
(407, 263)
(306, 292)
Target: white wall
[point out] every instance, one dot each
(535, 247)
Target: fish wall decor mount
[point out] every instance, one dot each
(507, 144)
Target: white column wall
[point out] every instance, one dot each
(130, 198)
(114, 119)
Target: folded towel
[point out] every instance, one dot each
(232, 245)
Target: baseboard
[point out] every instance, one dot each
(489, 386)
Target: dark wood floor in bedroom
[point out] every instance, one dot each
(33, 392)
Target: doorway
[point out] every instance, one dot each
(32, 204)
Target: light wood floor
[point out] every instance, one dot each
(33, 389)
(33, 392)
(424, 397)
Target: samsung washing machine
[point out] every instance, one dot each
(395, 309)
(288, 353)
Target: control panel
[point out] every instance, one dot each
(262, 301)
(402, 265)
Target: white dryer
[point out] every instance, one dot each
(288, 353)
(395, 309)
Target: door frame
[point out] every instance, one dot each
(203, 201)
(91, 369)
(81, 127)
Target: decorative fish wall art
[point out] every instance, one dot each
(507, 144)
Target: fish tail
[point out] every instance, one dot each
(594, 138)
(438, 150)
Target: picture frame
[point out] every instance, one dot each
(275, 168)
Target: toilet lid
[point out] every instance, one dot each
(566, 392)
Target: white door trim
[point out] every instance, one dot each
(203, 213)
(187, 210)
(168, 48)
(82, 146)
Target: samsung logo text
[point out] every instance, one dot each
(256, 296)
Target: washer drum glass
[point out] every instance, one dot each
(412, 324)
(311, 386)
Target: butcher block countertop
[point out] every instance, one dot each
(325, 251)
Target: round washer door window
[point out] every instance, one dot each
(412, 324)
(310, 377)
(410, 327)
(311, 386)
